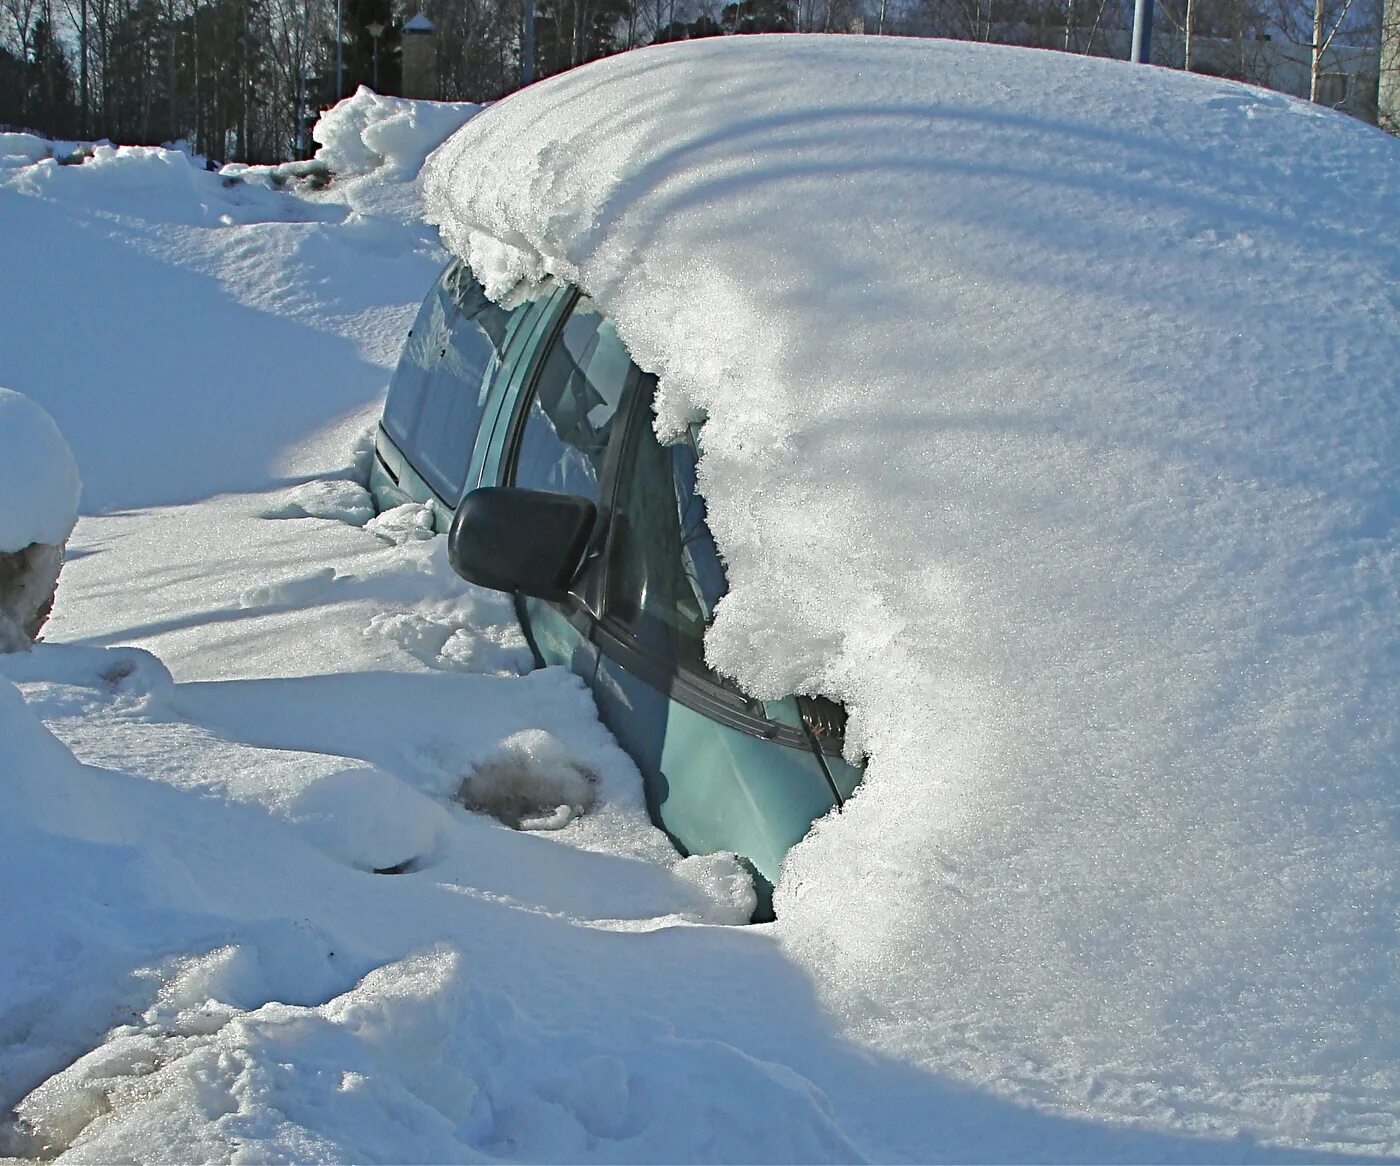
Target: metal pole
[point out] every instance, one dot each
(1142, 33)
(527, 44)
(339, 49)
(83, 69)
(301, 77)
(375, 30)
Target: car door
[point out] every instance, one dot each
(565, 436)
(723, 771)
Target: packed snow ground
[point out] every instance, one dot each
(254, 697)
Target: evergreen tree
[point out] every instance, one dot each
(52, 99)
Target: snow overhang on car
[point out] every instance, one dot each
(1049, 422)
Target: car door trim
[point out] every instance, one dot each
(685, 688)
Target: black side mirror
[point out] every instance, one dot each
(529, 541)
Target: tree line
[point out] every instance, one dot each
(242, 80)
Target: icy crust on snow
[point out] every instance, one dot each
(39, 483)
(1051, 424)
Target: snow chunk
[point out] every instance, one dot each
(1050, 424)
(39, 483)
(39, 489)
(368, 819)
(465, 635)
(725, 883)
(366, 132)
(347, 502)
(411, 522)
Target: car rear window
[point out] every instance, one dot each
(439, 391)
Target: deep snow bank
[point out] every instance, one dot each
(1052, 425)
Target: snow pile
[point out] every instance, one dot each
(415, 1062)
(246, 915)
(18, 149)
(1050, 422)
(340, 500)
(145, 182)
(39, 482)
(366, 132)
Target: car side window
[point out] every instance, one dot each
(436, 404)
(574, 407)
(665, 574)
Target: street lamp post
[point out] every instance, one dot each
(1142, 32)
(375, 30)
(301, 77)
(339, 49)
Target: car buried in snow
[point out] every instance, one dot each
(528, 431)
(1047, 413)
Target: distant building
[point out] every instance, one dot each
(420, 46)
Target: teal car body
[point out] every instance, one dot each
(543, 400)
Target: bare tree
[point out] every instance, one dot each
(1317, 25)
(1388, 103)
(21, 19)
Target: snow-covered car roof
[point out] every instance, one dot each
(1050, 422)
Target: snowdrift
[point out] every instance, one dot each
(39, 489)
(1050, 422)
(39, 482)
(250, 282)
